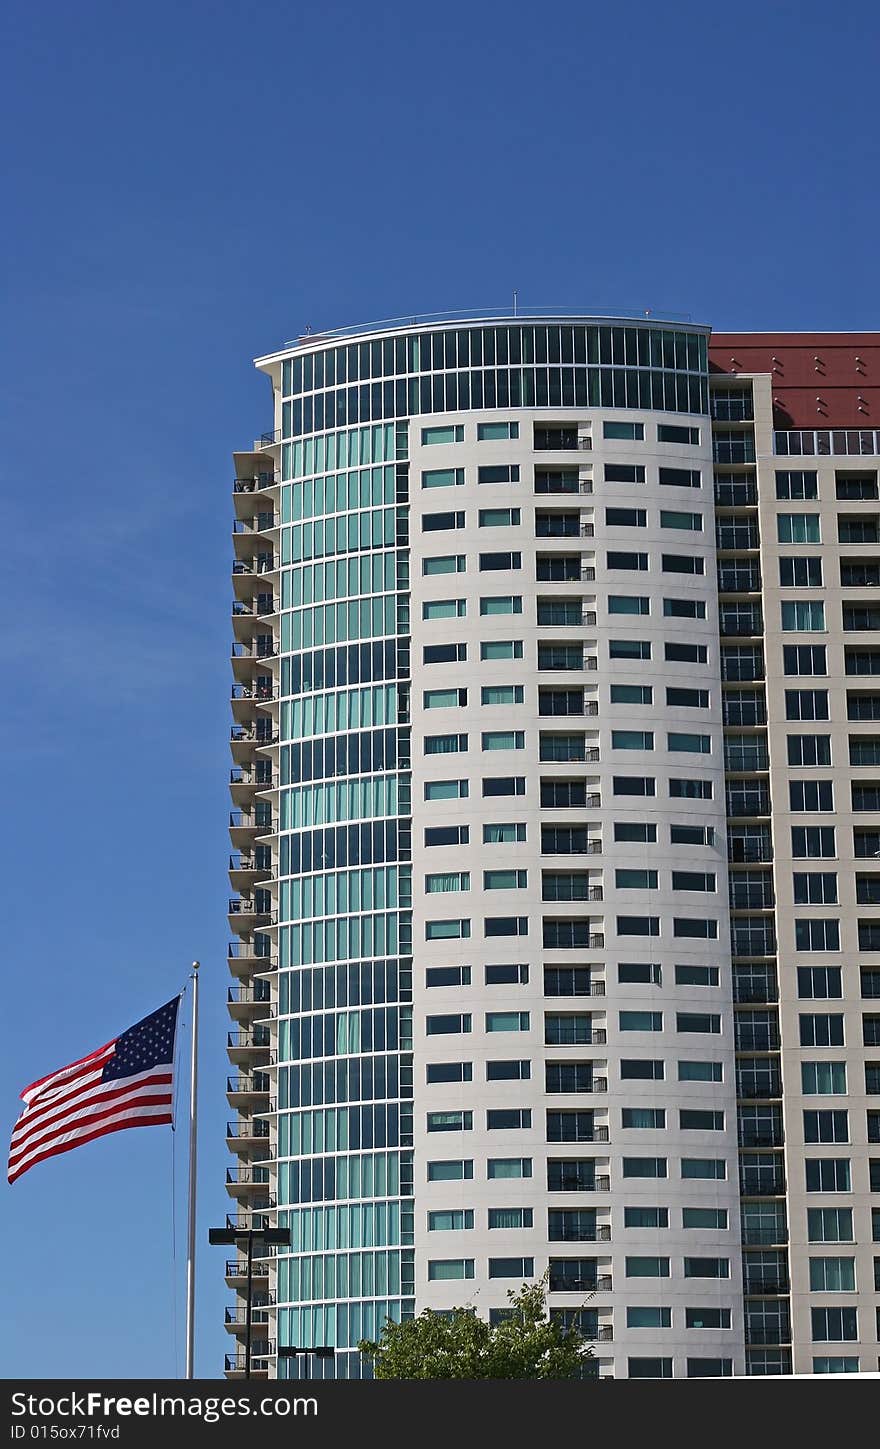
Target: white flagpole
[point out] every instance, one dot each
(191, 1231)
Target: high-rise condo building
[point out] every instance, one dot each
(556, 834)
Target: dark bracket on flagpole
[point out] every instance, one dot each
(246, 1237)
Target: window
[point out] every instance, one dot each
(448, 976)
(635, 879)
(447, 835)
(706, 1318)
(507, 1119)
(649, 1368)
(641, 1020)
(680, 477)
(502, 604)
(503, 740)
(704, 1169)
(689, 744)
(631, 694)
(804, 659)
(815, 888)
(450, 880)
(628, 604)
(632, 1070)
(452, 1024)
(436, 1072)
(508, 1071)
(450, 1220)
(699, 928)
(858, 528)
(707, 1268)
(501, 649)
(501, 694)
(815, 842)
(445, 609)
(819, 982)
(826, 1126)
(684, 608)
(644, 1167)
(797, 485)
(638, 925)
(496, 432)
(568, 1076)
(689, 1021)
(562, 748)
(688, 521)
(690, 789)
(648, 1318)
(629, 649)
(674, 433)
(809, 749)
(807, 614)
(618, 560)
(443, 478)
(634, 432)
(499, 473)
(700, 1120)
(507, 975)
(499, 517)
(453, 433)
(697, 976)
(504, 833)
(506, 926)
(831, 1365)
(638, 830)
(646, 1217)
(438, 522)
(834, 1325)
(633, 785)
(817, 935)
(798, 528)
(830, 1225)
(446, 789)
(450, 1121)
(625, 517)
(686, 653)
(800, 573)
(632, 740)
(823, 1078)
(444, 653)
(647, 1267)
(447, 930)
(624, 473)
(445, 744)
(451, 1171)
(810, 795)
(680, 563)
(806, 704)
(511, 1217)
(452, 563)
(490, 562)
(507, 1021)
(687, 698)
(643, 1117)
(446, 1269)
(558, 568)
(855, 487)
(828, 1174)
(570, 1127)
(508, 1167)
(504, 785)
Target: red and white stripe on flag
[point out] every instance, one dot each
(125, 1083)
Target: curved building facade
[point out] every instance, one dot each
(494, 1032)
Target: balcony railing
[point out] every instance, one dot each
(256, 483)
(255, 995)
(238, 1269)
(600, 1284)
(237, 1130)
(596, 1037)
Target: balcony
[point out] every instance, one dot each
(253, 734)
(264, 563)
(244, 959)
(254, 1176)
(767, 1333)
(261, 1352)
(600, 1284)
(247, 1090)
(236, 1273)
(241, 820)
(256, 483)
(237, 1317)
(259, 523)
(247, 1132)
(596, 1037)
(764, 1186)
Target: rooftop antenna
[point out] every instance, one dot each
(514, 301)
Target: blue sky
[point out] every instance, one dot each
(188, 186)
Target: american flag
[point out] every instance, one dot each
(128, 1082)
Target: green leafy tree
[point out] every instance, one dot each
(527, 1344)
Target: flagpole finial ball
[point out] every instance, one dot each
(196, 965)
